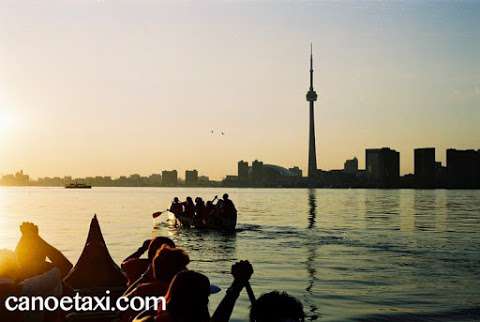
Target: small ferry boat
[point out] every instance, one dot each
(76, 185)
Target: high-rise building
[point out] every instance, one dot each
(242, 172)
(351, 166)
(383, 167)
(463, 168)
(425, 167)
(311, 98)
(169, 178)
(257, 172)
(21, 178)
(191, 177)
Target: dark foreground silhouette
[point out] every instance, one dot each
(27, 272)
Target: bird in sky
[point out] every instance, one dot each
(221, 132)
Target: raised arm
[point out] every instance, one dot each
(32, 250)
(56, 257)
(140, 251)
(241, 271)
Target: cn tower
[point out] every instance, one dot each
(311, 98)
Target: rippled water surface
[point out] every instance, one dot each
(346, 254)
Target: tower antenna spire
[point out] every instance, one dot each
(311, 66)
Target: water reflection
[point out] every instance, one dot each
(424, 203)
(204, 246)
(312, 208)
(383, 209)
(311, 256)
(369, 266)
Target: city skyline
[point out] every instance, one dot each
(382, 170)
(132, 98)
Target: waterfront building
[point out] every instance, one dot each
(191, 177)
(463, 168)
(256, 173)
(169, 178)
(425, 167)
(242, 171)
(351, 166)
(383, 167)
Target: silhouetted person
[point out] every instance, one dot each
(176, 208)
(209, 206)
(277, 307)
(136, 268)
(166, 264)
(189, 208)
(199, 205)
(228, 203)
(187, 297)
(32, 252)
(200, 212)
(224, 215)
(27, 273)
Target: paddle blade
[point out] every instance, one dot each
(158, 213)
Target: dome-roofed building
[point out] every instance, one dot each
(277, 171)
(260, 174)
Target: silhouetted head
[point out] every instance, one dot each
(168, 262)
(8, 264)
(189, 200)
(31, 257)
(209, 203)
(225, 196)
(187, 297)
(277, 307)
(175, 200)
(156, 244)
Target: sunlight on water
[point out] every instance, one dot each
(345, 254)
(3, 220)
(8, 235)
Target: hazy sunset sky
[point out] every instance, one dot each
(115, 87)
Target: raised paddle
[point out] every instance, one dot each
(158, 213)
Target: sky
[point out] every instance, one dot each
(115, 87)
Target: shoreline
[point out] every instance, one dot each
(243, 187)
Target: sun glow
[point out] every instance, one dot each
(7, 121)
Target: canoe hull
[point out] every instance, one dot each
(220, 222)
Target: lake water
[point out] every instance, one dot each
(346, 254)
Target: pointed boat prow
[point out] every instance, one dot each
(95, 268)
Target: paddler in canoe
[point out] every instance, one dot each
(223, 216)
(220, 216)
(184, 211)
